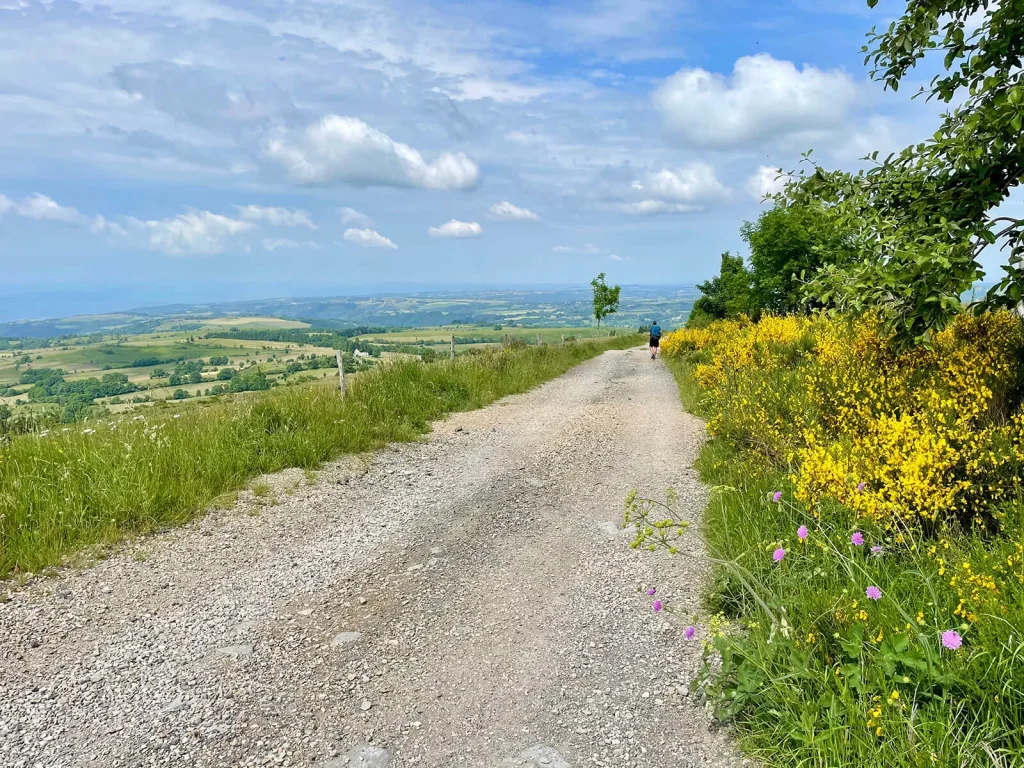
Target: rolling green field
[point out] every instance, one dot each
(146, 362)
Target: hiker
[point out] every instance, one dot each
(655, 339)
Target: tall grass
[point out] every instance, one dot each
(813, 672)
(70, 488)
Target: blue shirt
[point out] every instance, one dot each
(656, 331)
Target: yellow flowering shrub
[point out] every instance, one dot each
(896, 435)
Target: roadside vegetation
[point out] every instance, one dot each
(867, 451)
(66, 488)
(867, 521)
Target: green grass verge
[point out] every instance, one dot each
(71, 488)
(810, 671)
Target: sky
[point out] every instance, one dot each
(219, 149)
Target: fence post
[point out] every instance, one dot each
(563, 339)
(341, 372)
(538, 340)
(452, 355)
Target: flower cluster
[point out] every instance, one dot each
(919, 435)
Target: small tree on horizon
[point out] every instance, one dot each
(606, 299)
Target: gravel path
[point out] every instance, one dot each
(462, 602)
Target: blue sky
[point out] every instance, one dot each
(213, 149)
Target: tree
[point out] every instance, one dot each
(789, 243)
(728, 294)
(921, 218)
(606, 299)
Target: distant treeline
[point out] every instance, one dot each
(49, 386)
(320, 337)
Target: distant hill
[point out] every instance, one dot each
(529, 308)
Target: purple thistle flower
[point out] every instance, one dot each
(690, 632)
(651, 591)
(656, 606)
(777, 497)
(874, 593)
(877, 551)
(778, 554)
(801, 533)
(861, 486)
(951, 639)
(857, 539)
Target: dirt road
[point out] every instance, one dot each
(461, 602)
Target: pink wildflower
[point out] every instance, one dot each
(656, 606)
(857, 539)
(777, 497)
(861, 486)
(877, 551)
(651, 591)
(778, 554)
(801, 532)
(689, 632)
(874, 593)
(951, 639)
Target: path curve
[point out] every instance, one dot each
(462, 602)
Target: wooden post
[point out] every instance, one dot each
(538, 340)
(452, 355)
(341, 372)
(563, 339)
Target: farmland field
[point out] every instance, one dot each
(114, 370)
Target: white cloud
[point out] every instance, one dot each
(276, 217)
(368, 238)
(502, 91)
(101, 225)
(42, 208)
(348, 150)
(505, 211)
(355, 218)
(586, 249)
(767, 181)
(650, 207)
(763, 99)
(615, 257)
(271, 244)
(195, 232)
(457, 229)
(696, 181)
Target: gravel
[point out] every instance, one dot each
(467, 601)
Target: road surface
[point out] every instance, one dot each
(458, 603)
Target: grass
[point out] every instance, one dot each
(812, 672)
(68, 489)
(443, 334)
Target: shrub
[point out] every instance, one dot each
(868, 531)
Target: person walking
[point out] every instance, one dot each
(655, 339)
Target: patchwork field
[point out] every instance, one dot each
(71, 377)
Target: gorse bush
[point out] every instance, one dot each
(918, 435)
(65, 488)
(868, 533)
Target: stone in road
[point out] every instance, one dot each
(456, 603)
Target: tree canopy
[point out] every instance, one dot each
(727, 294)
(606, 298)
(920, 219)
(789, 243)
